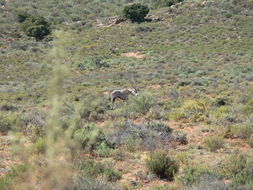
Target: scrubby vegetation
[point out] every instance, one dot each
(162, 165)
(135, 12)
(190, 127)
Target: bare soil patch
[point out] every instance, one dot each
(7, 159)
(137, 55)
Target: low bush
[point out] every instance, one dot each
(180, 137)
(183, 158)
(193, 110)
(248, 108)
(222, 112)
(91, 138)
(12, 178)
(85, 182)
(140, 104)
(94, 108)
(239, 168)
(191, 175)
(250, 142)
(209, 181)
(213, 143)
(96, 170)
(8, 122)
(40, 145)
(135, 12)
(150, 136)
(221, 101)
(33, 124)
(243, 131)
(162, 165)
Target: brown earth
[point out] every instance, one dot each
(137, 55)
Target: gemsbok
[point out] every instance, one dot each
(122, 94)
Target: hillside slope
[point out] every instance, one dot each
(193, 66)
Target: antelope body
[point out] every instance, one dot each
(122, 94)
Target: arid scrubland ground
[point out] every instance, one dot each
(191, 127)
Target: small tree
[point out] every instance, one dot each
(36, 26)
(136, 12)
(37, 31)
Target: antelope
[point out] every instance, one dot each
(122, 94)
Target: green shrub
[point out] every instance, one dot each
(193, 110)
(37, 31)
(95, 170)
(133, 143)
(209, 181)
(162, 165)
(250, 142)
(40, 145)
(222, 112)
(180, 137)
(13, 177)
(85, 182)
(191, 175)
(8, 122)
(243, 131)
(151, 136)
(183, 157)
(112, 175)
(93, 139)
(248, 108)
(234, 165)
(94, 108)
(140, 104)
(213, 143)
(36, 26)
(135, 12)
(221, 101)
(239, 168)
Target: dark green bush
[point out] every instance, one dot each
(36, 26)
(162, 165)
(136, 12)
(38, 31)
(221, 101)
